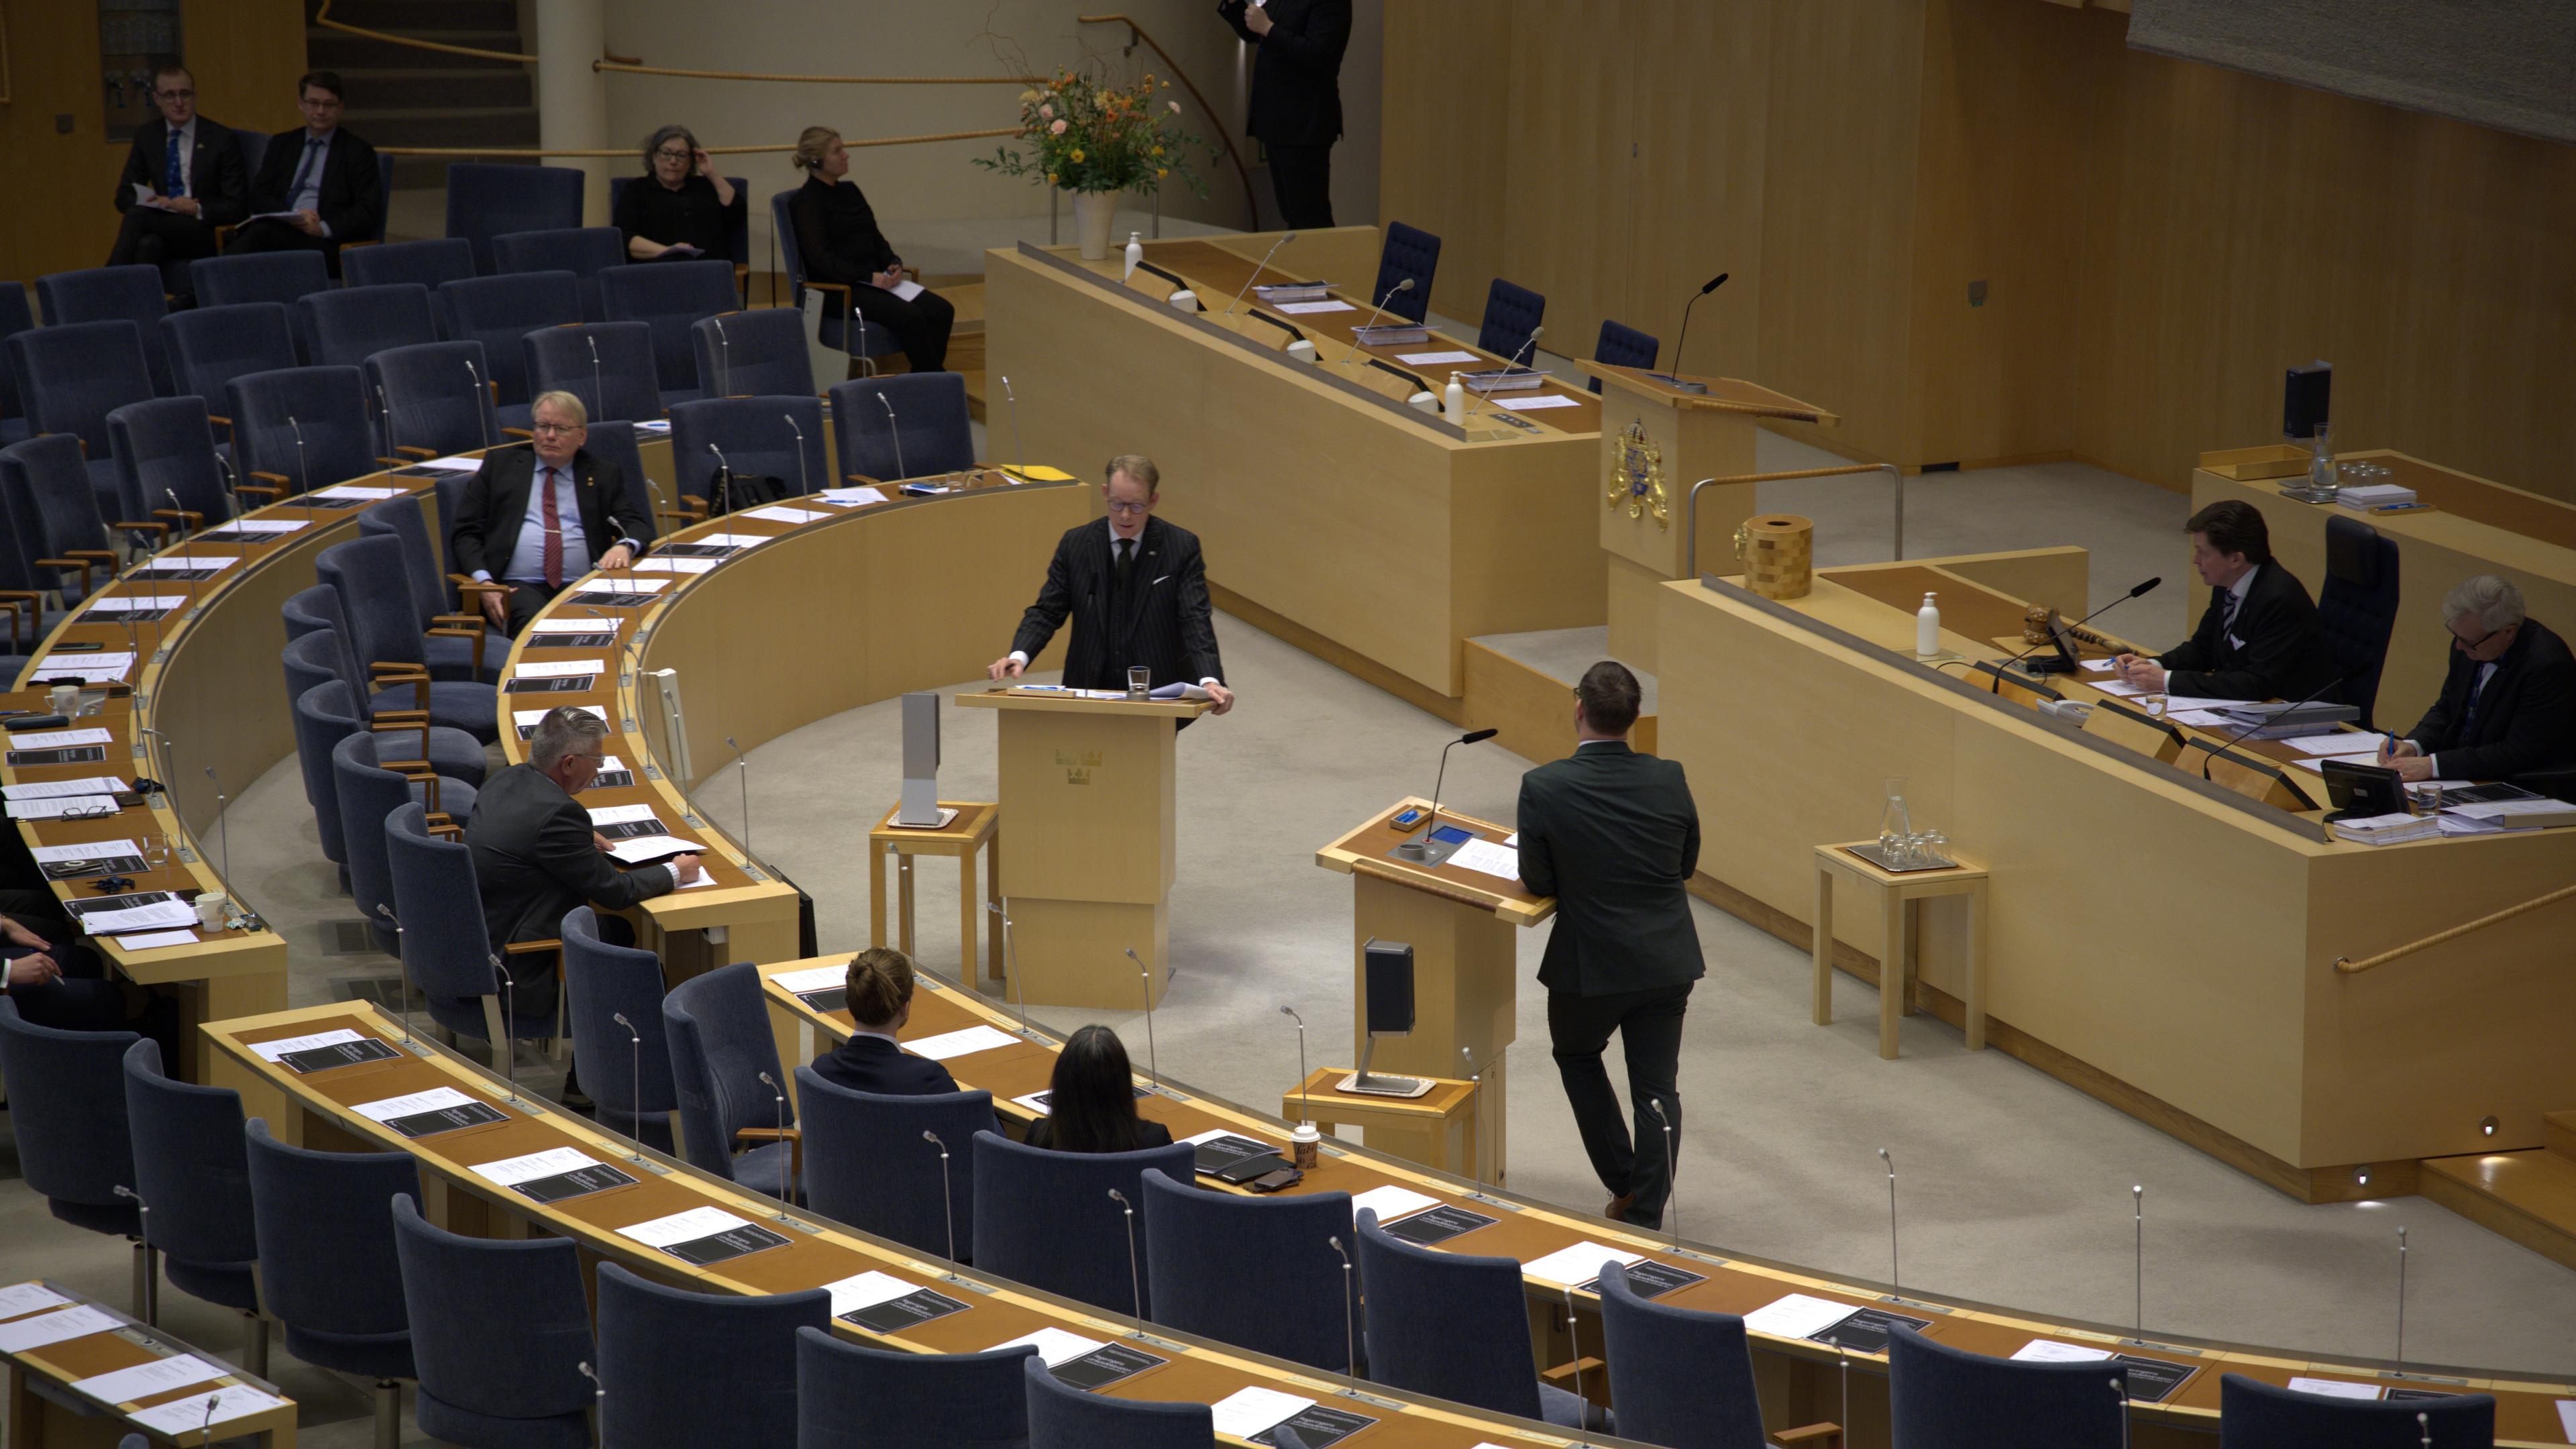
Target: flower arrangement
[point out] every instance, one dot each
(1087, 136)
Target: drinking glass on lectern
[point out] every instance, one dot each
(1140, 681)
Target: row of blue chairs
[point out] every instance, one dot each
(1512, 312)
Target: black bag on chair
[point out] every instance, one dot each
(731, 492)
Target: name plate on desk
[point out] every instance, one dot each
(77, 755)
(336, 1054)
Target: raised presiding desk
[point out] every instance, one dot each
(2164, 941)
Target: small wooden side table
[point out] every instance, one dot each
(1437, 1129)
(1895, 892)
(978, 827)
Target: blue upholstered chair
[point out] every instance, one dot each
(1046, 1218)
(718, 1030)
(328, 1270)
(110, 294)
(445, 951)
(50, 494)
(584, 251)
(1945, 1398)
(1512, 313)
(1624, 346)
(498, 312)
(321, 656)
(342, 327)
(1064, 1417)
(372, 778)
(500, 1331)
(67, 1111)
(608, 365)
(1408, 251)
(17, 315)
(456, 645)
(737, 235)
(1681, 1378)
(258, 277)
(822, 322)
(254, 147)
(850, 1396)
(72, 375)
(316, 736)
(431, 263)
(2256, 1415)
(752, 354)
(191, 1166)
(485, 201)
(630, 1065)
(165, 450)
(867, 1163)
(385, 632)
(779, 437)
(2358, 607)
(1307, 1305)
(432, 398)
(300, 428)
(669, 297)
(1454, 1327)
(210, 346)
(660, 1348)
(928, 434)
(614, 442)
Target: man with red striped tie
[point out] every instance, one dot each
(536, 519)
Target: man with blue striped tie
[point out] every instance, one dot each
(318, 186)
(183, 178)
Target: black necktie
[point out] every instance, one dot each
(1126, 560)
(2478, 679)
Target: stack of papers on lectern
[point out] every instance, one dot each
(2388, 829)
(2374, 495)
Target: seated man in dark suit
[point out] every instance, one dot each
(1613, 835)
(183, 178)
(2508, 706)
(880, 1001)
(536, 857)
(536, 540)
(318, 186)
(2259, 639)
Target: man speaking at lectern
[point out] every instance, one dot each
(1613, 835)
(1136, 590)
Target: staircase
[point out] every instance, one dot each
(401, 95)
(2528, 1196)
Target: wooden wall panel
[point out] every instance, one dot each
(1700, 102)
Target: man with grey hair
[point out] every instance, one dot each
(2508, 705)
(536, 856)
(535, 539)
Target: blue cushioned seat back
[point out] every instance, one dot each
(2256, 1415)
(65, 507)
(1624, 346)
(107, 294)
(190, 1163)
(613, 442)
(1064, 1417)
(584, 251)
(1306, 1302)
(718, 1027)
(67, 1111)
(486, 201)
(166, 447)
(400, 519)
(606, 982)
(368, 793)
(17, 314)
(210, 346)
(928, 433)
(851, 1396)
(72, 375)
(431, 395)
(318, 732)
(775, 437)
(2358, 607)
(342, 327)
(1512, 312)
(1046, 1218)
(499, 311)
(1446, 1324)
(608, 365)
(868, 1165)
(375, 594)
(660, 1350)
(1407, 252)
(327, 1266)
(258, 277)
(323, 407)
(670, 298)
(430, 263)
(1945, 1398)
(445, 949)
(500, 1330)
(1679, 1376)
(752, 354)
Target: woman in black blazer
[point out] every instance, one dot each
(1091, 1104)
(838, 241)
(879, 993)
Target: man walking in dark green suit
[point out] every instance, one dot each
(1612, 834)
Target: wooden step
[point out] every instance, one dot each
(1534, 710)
(2558, 1133)
(2528, 1196)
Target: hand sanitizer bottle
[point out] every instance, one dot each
(1135, 254)
(1927, 629)
(1453, 401)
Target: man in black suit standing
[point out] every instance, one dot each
(183, 178)
(879, 996)
(2508, 705)
(1136, 590)
(2259, 638)
(1296, 103)
(1613, 835)
(318, 186)
(535, 540)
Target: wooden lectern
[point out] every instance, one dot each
(1087, 786)
(1459, 923)
(1656, 441)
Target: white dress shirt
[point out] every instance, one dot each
(528, 555)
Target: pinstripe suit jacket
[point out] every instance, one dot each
(1163, 621)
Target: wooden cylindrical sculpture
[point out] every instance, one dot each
(1778, 551)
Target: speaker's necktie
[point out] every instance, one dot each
(553, 519)
(172, 182)
(1126, 560)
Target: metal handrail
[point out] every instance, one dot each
(629, 151)
(2350, 967)
(1136, 33)
(612, 65)
(322, 17)
(1690, 512)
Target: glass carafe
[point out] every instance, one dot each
(1894, 824)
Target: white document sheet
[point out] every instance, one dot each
(2335, 1388)
(185, 562)
(531, 716)
(2316, 764)
(2043, 1350)
(57, 806)
(144, 1380)
(553, 1162)
(1054, 1345)
(781, 513)
(965, 1042)
(866, 1290)
(356, 493)
(1534, 404)
(156, 940)
(2567, 1419)
(2199, 719)
(24, 1298)
(156, 916)
(1578, 1264)
(907, 289)
(59, 740)
(1426, 359)
(655, 425)
(814, 978)
(78, 1321)
(181, 1417)
(413, 1103)
(1393, 1202)
(677, 565)
(1487, 858)
(687, 1227)
(269, 1051)
(1797, 1316)
(50, 789)
(644, 848)
(1300, 309)
(279, 526)
(2101, 666)
(620, 814)
(1247, 1412)
(848, 497)
(88, 668)
(559, 668)
(573, 626)
(2340, 742)
(124, 603)
(94, 850)
(453, 463)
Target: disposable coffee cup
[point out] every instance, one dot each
(211, 909)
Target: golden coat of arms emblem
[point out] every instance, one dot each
(1637, 475)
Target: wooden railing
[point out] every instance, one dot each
(2350, 967)
(1136, 35)
(322, 17)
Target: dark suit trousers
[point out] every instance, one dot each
(921, 325)
(1302, 176)
(277, 236)
(82, 998)
(1649, 1024)
(165, 239)
(525, 601)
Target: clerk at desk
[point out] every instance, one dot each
(2259, 638)
(2508, 705)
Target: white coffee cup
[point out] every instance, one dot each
(211, 909)
(65, 699)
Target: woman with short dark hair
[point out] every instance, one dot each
(1091, 1102)
(683, 208)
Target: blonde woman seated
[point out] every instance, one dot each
(838, 240)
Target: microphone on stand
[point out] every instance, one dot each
(900, 469)
(1350, 1336)
(223, 828)
(1403, 285)
(742, 772)
(721, 489)
(1894, 1283)
(303, 472)
(182, 521)
(2138, 1217)
(2311, 698)
(2401, 1300)
(2120, 1391)
(635, 1043)
(482, 396)
(1145, 987)
(804, 474)
(947, 1195)
(509, 1043)
(724, 358)
(1135, 1279)
(1019, 440)
(1673, 378)
(598, 1399)
(387, 912)
(787, 1159)
(598, 390)
(1305, 1106)
(2148, 587)
(1011, 964)
(1475, 1079)
(1672, 1201)
(1422, 847)
(206, 1426)
(1285, 238)
(385, 410)
(1509, 368)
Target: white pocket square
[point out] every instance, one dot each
(1157, 581)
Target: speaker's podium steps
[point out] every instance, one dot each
(2528, 1196)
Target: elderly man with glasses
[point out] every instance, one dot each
(533, 520)
(2508, 706)
(183, 178)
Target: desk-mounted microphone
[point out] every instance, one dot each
(1527, 343)
(1135, 1275)
(1145, 987)
(901, 470)
(1674, 379)
(947, 1194)
(2148, 587)
(1403, 285)
(1285, 238)
(1419, 848)
(482, 400)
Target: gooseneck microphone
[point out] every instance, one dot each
(787, 1159)
(1674, 377)
(2312, 697)
(1404, 285)
(947, 1194)
(1509, 368)
(724, 358)
(598, 391)
(1894, 1283)
(1350, 1334)
(1471, 737)
(721, 489)
(385, 410)
(1285, 238)
(635, 1043)
(1019, 440)
(482, 400)
(303, 471)
(1672, 1198)
(1145, 988)
(509, 1026)
(1135, 1276)
(901, 469)
(387, 912)
(804, 473)
(2135, 591)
